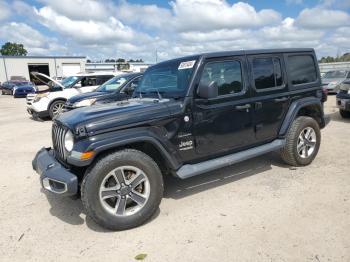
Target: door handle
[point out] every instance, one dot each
(282, 99)
(243, 107)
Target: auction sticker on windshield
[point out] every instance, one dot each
(187, 64)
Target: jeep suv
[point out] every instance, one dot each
(190, 116)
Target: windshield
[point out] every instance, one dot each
(113, 84)
(23, 83)
(168, 79)
(335, 74)
(67, 82)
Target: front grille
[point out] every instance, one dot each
(58, 133)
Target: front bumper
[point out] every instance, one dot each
(36, 114)
(53, 176)
(343, 104)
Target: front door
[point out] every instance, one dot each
(270, 92)
(224, 123)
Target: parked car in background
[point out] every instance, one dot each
(50, 101)
(343, 99)
(333, 79)
(23, 90)
(118, 88)
(8, 87)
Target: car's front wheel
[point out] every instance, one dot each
(344, 114)
(122, 190)
(302, 142)
(56, 108)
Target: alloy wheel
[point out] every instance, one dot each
(124, 191)
(306, 142)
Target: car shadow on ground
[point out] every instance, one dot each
(70, 210)
(337, 117)
(177, 188)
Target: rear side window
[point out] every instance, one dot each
(302, 69)
(226, 74)
(267, 72)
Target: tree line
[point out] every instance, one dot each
(328, 59)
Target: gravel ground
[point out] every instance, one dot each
(259, 210)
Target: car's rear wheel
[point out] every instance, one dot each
(344, 114)
(56, 108)
(122, 190)
(302, 142)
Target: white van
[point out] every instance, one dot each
(50, 101)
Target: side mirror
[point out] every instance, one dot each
(208, 91)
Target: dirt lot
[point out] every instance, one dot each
(259, 210)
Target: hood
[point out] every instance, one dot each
(44, 79)
(345, 86)
(88, 95)
(25, 87)
(99, 118)
(326, 81)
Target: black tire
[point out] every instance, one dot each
(344, 114)
(96, 174)
(52, 108)
(289, 152)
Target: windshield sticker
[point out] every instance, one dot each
(187, 64)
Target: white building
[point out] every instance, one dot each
(117, 66)
(54, 66)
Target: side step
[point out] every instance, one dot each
(187, 171)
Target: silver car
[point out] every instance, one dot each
(333, 79)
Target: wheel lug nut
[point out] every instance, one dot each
(118, 191)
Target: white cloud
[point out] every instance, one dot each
(5, 10)
(82, 9)
(288, 31)
(111, 29)
(218, 14)
(85, 32)
(33, 40)
(320, 17)
(144, 15)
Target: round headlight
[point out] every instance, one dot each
(68, 141)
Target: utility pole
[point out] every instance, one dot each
(156, 56)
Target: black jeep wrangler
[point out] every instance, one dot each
(189, 116)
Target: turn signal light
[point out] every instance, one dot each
(87, 155)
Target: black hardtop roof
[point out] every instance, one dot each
(239, 52)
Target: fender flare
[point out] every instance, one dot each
(295, 107)
(114, 140)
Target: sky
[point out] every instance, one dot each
(135, 29)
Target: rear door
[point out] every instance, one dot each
(224, 123)
(270, 92)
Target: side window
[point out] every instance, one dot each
(302, 69)
(102, 79)
(129, 89)
(89, 81)
(348, 75)
(267, 72)
(226, 74)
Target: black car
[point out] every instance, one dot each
(8, 87)
(118, 88)
(343, 99)
(193, 115)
